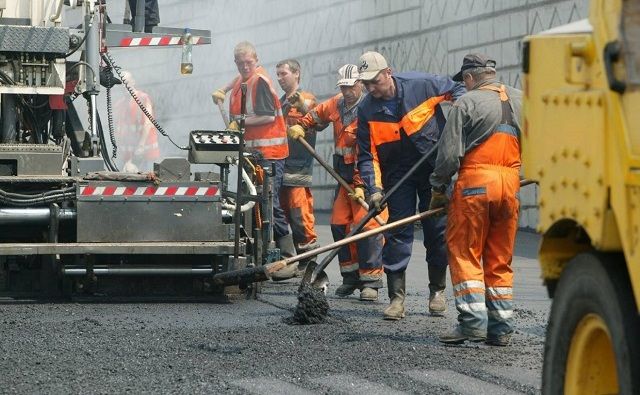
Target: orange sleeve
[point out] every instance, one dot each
(320, 114)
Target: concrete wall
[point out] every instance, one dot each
(428, 35)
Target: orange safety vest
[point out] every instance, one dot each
(131, 124)
(270, 139)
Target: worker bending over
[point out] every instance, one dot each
(481, 143)
(399, 122)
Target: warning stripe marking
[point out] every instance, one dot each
(155, 41)
(173, 190)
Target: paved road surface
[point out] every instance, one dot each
(244, 346)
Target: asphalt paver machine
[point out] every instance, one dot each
(70, 222)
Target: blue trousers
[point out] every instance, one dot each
(396, 252)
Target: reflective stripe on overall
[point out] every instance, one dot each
(483, 220)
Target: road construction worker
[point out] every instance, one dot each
(265, 131)
(360, 263)
(136, 137)
(400, 121)
(480, 142)
(295, 195)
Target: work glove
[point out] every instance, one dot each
(296, 132)
(129, 167)
(357, 194)
(233, 125)
(297, 101)
(438, 200)
(218, 96)
(375, 201)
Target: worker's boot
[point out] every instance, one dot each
(350, 282)
(437, 283)
(396, 285)
(459, 335)
(369, 289)
(368, 294)
(287, 250)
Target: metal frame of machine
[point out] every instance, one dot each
(65, 222)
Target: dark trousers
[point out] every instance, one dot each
(280, 223)
(398, 245)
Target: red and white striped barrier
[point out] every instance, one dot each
(112, 190)
(155, 41)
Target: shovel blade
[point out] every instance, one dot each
(321, 280)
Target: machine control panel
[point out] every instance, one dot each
(213, 146)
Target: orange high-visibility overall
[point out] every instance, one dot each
(481, 229)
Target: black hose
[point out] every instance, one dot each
(35, 195)
(109, 60)
(103, 146)
(38, 199)
(112, 136)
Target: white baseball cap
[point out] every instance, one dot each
(348, 75)
(371, 63)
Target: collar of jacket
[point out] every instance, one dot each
(489, 81)
(398, 98)
(283, 98)
(342, 105)
(399, 88)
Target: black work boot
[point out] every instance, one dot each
(287, 250)
(350, 282)
(396, 285)
(458, 336)
(437, 284)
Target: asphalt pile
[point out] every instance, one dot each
(312, 308)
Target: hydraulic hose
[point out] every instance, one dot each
(103, 146)
(22, 200)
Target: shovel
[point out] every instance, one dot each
(314, 276)
(336, 176)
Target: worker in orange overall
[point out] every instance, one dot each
(360, 262)
(265, 130)
(481, 143)
(295, 195)
(136, 136)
